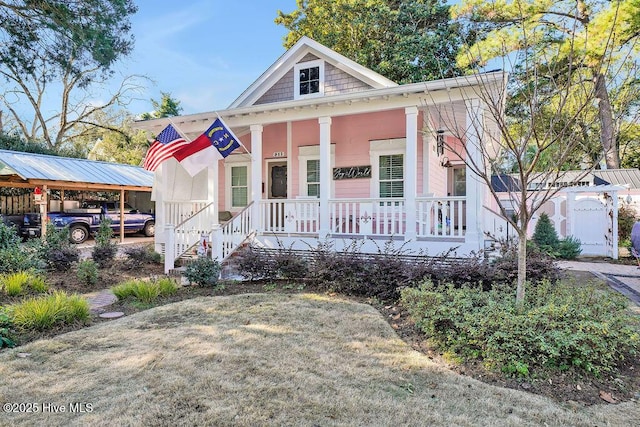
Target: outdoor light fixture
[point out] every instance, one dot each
(440, 142)
(445, 163)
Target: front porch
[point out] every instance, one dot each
(437, 225)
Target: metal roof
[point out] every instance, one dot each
(630, 177)
(29, 166)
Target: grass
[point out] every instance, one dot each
(264, 359)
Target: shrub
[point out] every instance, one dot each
(105, 249)
(560, 327)
(255, 264)
(8, 237)
(87, 272)
(5, 333)
(569, 248)
(203, 271)
(290, 265)
(145, 291)
(13, 256)
(46, 312)
(57, 252)
(136, 256)
(544, 234)
(627, 216)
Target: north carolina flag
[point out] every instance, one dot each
(163, 147)
(214, 144)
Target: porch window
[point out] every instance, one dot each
(239, 186)
(391, 173)
(309, 79)
(313, 178)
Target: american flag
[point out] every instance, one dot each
(166, 143)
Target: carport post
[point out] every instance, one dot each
(122, 215)
(43, 213)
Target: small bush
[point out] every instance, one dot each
(145, 291)
(105, 249)
(290, 265)
(627, 216)
(560, 327)
(569, 248)
(255, 264)
(15, 257)
(5, 330)
(136, 256)
(57, 252)
(203, 271)
(46, 312)
(87, 272)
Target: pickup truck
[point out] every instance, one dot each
(85, 221)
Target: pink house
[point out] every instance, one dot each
(333, 151)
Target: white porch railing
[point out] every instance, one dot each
(188, 232)
(436, 217)
(441, 216)
(290, 216)
(179, 212)
(234, 233)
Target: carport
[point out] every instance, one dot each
(28, 170)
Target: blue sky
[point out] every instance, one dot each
(205, 53)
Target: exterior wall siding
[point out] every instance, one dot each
(337, 81)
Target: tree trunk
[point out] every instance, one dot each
(605, 116)
(522, 267)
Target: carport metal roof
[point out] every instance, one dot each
(28, 170)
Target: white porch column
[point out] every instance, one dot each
(256, 175)
(475, 187)
(325, 175)
(411, 172)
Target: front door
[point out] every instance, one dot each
(278, 180)
(277, 190)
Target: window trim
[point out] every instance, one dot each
(385, 147)
(296, 78)
(236, 160)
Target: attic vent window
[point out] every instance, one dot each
(309, 79)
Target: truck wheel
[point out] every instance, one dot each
(149, 229)
(78, 234)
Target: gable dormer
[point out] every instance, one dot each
(310, 70)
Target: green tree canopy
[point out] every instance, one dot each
(594, 41)
(407, 41)
(166, 107)
(71, 35)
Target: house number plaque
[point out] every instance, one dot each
(352, 172)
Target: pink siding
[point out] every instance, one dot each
(351, 136)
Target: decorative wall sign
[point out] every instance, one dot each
(352, 172)
(279, 154)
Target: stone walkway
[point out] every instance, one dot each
(100, 299)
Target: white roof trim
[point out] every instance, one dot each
(292, 56)
(404, 91)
